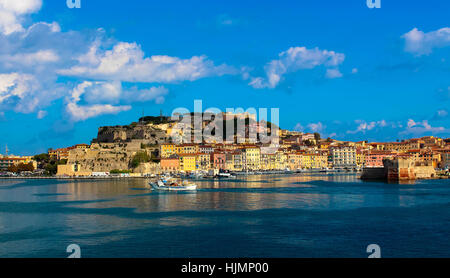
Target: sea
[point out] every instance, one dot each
(258, 216)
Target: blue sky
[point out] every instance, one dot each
(336, 67)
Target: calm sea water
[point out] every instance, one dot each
(257, 216)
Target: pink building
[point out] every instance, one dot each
(219, 160)
(375, 158)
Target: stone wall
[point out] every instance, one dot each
(147, 134)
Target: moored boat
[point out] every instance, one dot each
(172, 185)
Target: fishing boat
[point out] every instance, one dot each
(172, 185)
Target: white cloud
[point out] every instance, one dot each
(98, 98)
(29, 59)
(17, 90)
(354, 71)
(294, 59)
(82, 113)
(127, 62)
(299, 127)
(12, 13)
(416, 128)
(333, 73)
(33, 58)
(420, 43)
(42, 114)
(364, 126)
(316, 127)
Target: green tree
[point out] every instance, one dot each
(51, 168)
(317, 136)
(138, 158)
(42, 157)
(117, 171)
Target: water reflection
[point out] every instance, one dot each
(37, 217)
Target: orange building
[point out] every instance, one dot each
(170, 164)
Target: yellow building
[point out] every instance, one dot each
(360, 158)
(188, 162)
(7, 161)
(187, 149)
(167, 150)
(252, 158)
(281, 160)
(402, 147)
(295, 161)
(322, 160)
(307, 161)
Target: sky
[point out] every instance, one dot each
(334, 67)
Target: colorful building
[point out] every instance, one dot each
(8, 161)
(188, 162)
(170, 164)
(167, 150)
(252, 156)
(375, 158)
(218, 160)
(204, 161)
(343, 157)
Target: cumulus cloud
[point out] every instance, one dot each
(33, 59)
(42, 114)
(333, 73)
(18, 91)
(316, 127)
(12, 13)
(421, 127)
(420, 43)
(364, 126)
(294, 59)
(83, 112)
(90, 99)
(127, 62)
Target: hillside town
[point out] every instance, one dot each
(157, 145)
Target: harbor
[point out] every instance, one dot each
(299, 216)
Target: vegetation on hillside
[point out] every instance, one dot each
(138, 158)
(21, 168)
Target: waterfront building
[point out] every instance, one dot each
(375, 158)
(8, 161)
(204, 161)
(187, 149)
(433, 158)
(343, 157)
(295, 161)
(218, 159)
(237, 160)
(445, 159)
(307, 161)
(188, 162)
(167, 150)
(252, 155)
(360, 158)
(170, 164)
(281, 160)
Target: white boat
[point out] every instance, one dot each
(171, 185)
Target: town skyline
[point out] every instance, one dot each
(357, 74)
